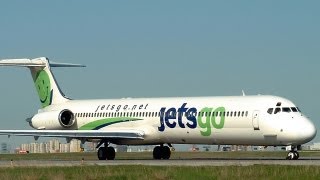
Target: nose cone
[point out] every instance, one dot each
(307, 131)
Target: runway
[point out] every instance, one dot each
(176, 162)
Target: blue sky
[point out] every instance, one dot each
(162, 48)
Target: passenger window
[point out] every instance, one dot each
(277, 110)
(246, 113)
(286, 109)
(270, 110)
(294, 109)
(242, 114)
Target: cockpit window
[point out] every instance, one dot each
(270, 110)
(294, 109)
(286, 109)
(298, 109)
(277, 110)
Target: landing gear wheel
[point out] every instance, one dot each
(293, 155)
(166, 152)
(111, 153)
(157, 152)
(102, 153)
(161, 152)
(296, 155)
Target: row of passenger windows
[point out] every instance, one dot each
(119, 114)
(284, 109)
(157, 114)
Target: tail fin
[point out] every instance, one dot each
(45, 83)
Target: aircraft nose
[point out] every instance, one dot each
(308, 131)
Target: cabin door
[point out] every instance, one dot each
(255, 120)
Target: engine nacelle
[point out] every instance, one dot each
(55, 120)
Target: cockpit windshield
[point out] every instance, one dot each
(284, 109)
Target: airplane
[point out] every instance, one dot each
(261, 120)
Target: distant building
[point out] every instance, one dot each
(75, 145)
(54, 146)
(65, 148)
(4, 148)
(122, 148)
(315, 146)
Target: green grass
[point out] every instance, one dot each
(148, 155)
(155, 172)
(159, 172)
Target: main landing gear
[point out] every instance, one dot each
(106, 152)
(293, 153)
(161, 152)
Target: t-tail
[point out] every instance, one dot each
(45, 83)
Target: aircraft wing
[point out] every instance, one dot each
(90, 134)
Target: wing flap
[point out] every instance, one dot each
(98, 134)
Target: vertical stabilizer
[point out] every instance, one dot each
(47, 88)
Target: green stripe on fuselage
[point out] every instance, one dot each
(101, 122)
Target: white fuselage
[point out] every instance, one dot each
(241, 120)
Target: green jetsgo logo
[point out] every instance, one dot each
(207, 119)
(43, 86)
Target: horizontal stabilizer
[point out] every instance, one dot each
(38, 62)
(22, 63)
(55, 64)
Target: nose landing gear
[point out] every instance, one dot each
(293, 153)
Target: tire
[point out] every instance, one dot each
(110, 153)
(166, 152)
(157, 152)
(296, 155)
(291, 155)
(102, 153)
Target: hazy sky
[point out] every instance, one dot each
(162, 48)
